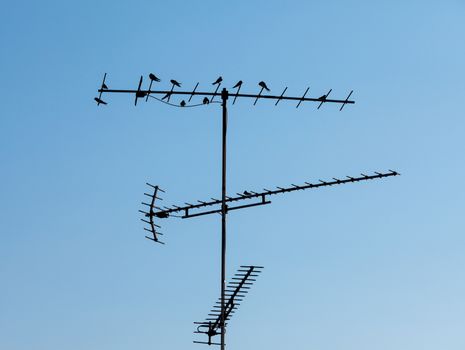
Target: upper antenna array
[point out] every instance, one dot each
(209, 96)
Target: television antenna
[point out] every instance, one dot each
(213, 327)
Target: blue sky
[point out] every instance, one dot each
(375, 265)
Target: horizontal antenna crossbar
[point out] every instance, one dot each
(227, 209)
(213, 94)
(252, 195)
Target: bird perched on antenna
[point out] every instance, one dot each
(238, 84)
(205, 101)
(263, 85)
(168, 95)
(323, 98)
(99, 101)
(103, 87)
(153, 77)
(183, 103)
(218, 81)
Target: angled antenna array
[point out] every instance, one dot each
(236, 290)
(189, 210)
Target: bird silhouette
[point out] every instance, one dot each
(153, 77)
(263, 85)
(218, 81)
(104, 86)
(99, 101)
(175, 83)
(247, 193)
(183, 103)
(238, 84)
(323, 98)
(206, 101)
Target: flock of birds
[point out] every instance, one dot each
(174, 83)
(205, 101)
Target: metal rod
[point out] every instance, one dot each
(224, 97)
(228, 209)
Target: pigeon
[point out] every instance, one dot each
(247, 193)
(153, 77)
(206, 101)
(175, 83)
(183, 103)
(104, 86)
(238, 84)
(218, 81)
(263, 85)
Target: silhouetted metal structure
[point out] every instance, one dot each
(211, 327)
(236, 290)
(189, 210)
(152, 226)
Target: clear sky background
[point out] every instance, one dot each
(375, 265)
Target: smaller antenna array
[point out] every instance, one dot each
(236, 290)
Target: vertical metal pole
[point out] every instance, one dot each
(224, 97)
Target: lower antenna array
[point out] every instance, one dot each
(236, 290)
